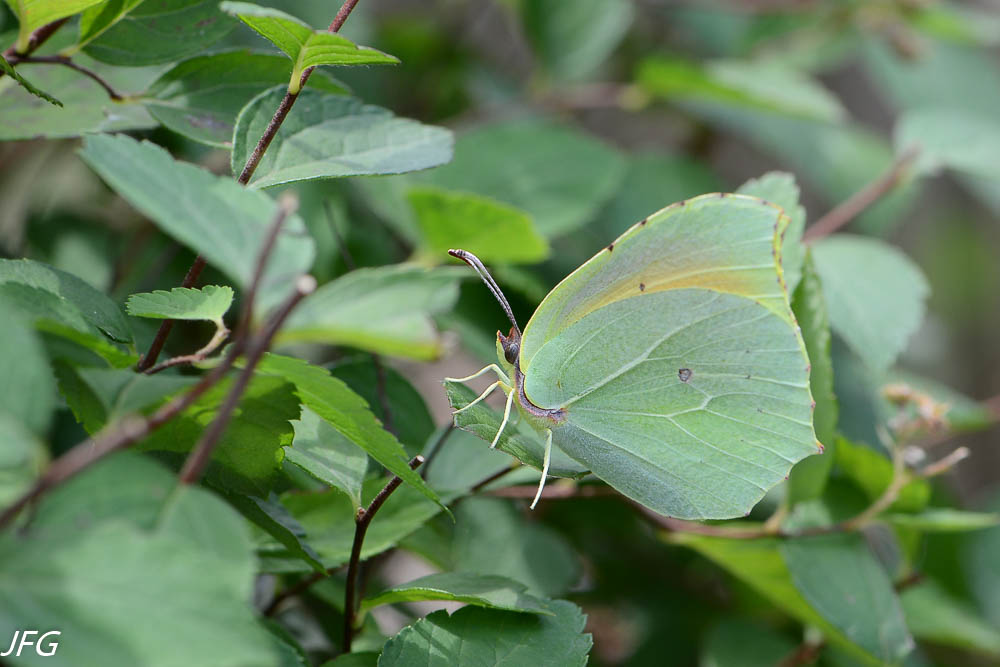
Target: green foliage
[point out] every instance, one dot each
(299, 481)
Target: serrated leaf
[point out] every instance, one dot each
(387, 310)
(876, 323)
(944, 520)
(148, 33)
(767, 85)
(86, 105)
(808, 478)
(329, 521)
(521, 443)
(872, 473)
(247, 457)
(208, 303)
(331, 136)
(933, 615)
(212, 215)
(564, 175)
(202, 96)
(574, 38)
(347, 412)
(482, 590)
(489, 637)
(495, 232)
(492, 537)
(305, 46)
(61, 297)
(328, 455)
(99, 396)
(33, 14)
(781, 189)
(842, 581)
(162, 554)
(27, 85)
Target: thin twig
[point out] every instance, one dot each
(863, 198)
(301, 586)
(431, 452)
(221, 333)
(361, 522)
(248, 169)
(66, 62)
(198, 460)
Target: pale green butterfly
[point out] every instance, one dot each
(669, 364)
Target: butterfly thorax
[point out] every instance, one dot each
(509, 352)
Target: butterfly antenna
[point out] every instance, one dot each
(476, 264)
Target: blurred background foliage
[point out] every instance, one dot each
(584, 116)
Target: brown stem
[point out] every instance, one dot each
(361, 522)
(432, 451)
(36, 39)
(221, 333)
(248, 169)
(66, 62)
(198, 460)
(862, 199)
(489, 479)
(300, 587)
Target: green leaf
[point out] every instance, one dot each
(148, 34)
(741, 642)
(481, 590)
(329, 521)
(362, 659)
(842, 581)
(331, 136)
(305, 46)
(935, 616)
(463, 461)
(563, 176)
(492, 537)
(97, 19)
(62, 297)
(347, 412)
(272, 517)
(86, 105)
(495, 232)
(872, 473)
(760, 564)
(208, 303)
(944, 520)
(767, 85)
(168, 552)
(808, 477)
(876, 323)
(213, 215)
(489, 637)
(99, 396)
(386, 310)
(964, 413)
(328, 455)
(410, 416)
(22, 458)
(781, 189)
(6, 67)
(202, 96)
(950, 138)
(523, 443)
(33, 14)
(27, 393)
(983, 567)
(574, 38)
(247, 457)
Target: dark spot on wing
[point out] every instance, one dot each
(642, 287)
(684, 374)
(643, 221)
(611, 247)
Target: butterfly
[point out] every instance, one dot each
(670, 364)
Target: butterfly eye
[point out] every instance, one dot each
(510, 352)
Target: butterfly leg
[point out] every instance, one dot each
(545, 466)
(492, 367)
(506, 416)
(489, 390)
